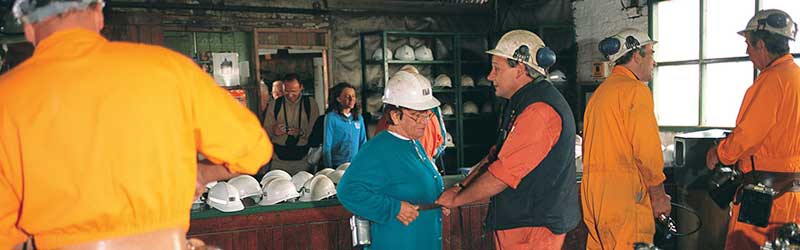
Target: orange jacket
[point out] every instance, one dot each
(99, 140)
(768, 124)
(620, 130)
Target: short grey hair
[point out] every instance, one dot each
(528, 69)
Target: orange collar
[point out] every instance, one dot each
(622, 70)
(779, 61)
(68, 38)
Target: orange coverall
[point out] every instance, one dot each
(621, 159)
(99, 140)
(768, 129)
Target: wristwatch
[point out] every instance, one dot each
(459, 185)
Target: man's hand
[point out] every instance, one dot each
(445, 211)
(711, 158)
(447, 198)
(408, 213)
(279, 129)
(660, 201)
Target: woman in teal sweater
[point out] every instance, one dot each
(391, 175)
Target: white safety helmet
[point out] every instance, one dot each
(378, 54)
(409, 90)
(277, 191)
(487, 107)
(470, 108)
(300, 178)
(616, 46)
(449, 141)
(447, 109)
(247, 186)
(275, 172)
(343, 166)
(466, 81)
(483, 81)
(526, 47)
(335, 176)
(33, 11)
(423, 53)
(324, 171)
(318, 188)
(773, 21)
(211, 184)
(225, 197)
(404, 53)
(442, 81)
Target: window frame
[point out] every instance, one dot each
(701, 62)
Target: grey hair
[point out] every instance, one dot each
(528, 69)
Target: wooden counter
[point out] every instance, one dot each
(325, 225)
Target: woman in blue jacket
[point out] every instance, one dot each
(391, 180)
(344, 131)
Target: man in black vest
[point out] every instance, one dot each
(530, 172)
(288, 122)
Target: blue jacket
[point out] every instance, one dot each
(386, 171)
(343, 137)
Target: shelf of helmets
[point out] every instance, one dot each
(452, 73)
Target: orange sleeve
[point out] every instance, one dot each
(644, 137)
(532, 136)
(757, 116)
(10, 235)
(225, 131)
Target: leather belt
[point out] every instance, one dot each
(781, 182)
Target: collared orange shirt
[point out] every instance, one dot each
(620, 129)
(533, 134)
(99, 140)
(768, 124)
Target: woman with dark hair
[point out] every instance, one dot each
(345, 132)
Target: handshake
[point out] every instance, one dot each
(409, 212)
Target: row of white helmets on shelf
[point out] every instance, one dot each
(275, 187)
(405, 53)
(469, 108)
(444, 81)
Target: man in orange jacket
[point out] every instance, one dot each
(622, 188)
(766, 138)
(100, 153)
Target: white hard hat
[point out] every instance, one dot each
(374, 104)
(211, 184)
(277, 191)
(483, 81)
(423, 53)
(470, 108)
(32, 11)
(466, 81)
(378, 54)
(247, 186)
(404, 53)
(225, 197)
(336, 176)
(324, 171)
(300, 178)
(448, 142)
(409, 90)
(773, 21)
(443, 81)
(616, 46)
(557, 77)
(526, 47)
(275, 172)
(318, 188)
(487, 107)
(343, 166)
(447, 109)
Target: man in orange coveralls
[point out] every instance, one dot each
(622, 189)
(767, 133)
(98, 152)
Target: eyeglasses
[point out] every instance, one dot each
(419, 116)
